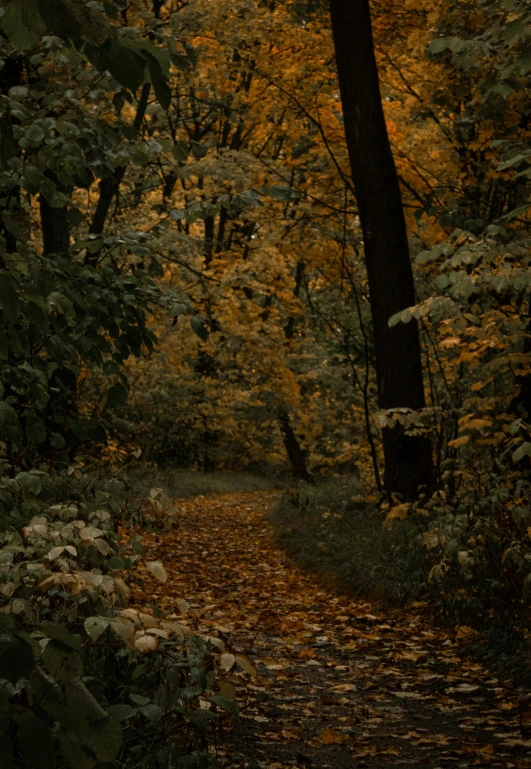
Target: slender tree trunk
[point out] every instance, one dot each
(296, 454)
(62, 406)
(110, 185)
(408, 460)
(54, 224)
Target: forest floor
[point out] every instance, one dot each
(340, 682)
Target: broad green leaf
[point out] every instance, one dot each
(523, 450)
(60, 633)
(440, 45)
(22, 23)
(198, 150)
(46, 690)
(36, 743)
(151, 712)
(61, 661)
(122, 426)
(29, 483)
(8, 415)
(138, 699)
(8, 295)
(8, 146)
(122, 712)
(57, 441)
(285, 194)
(95, 626)
(74, 753)
(34, 134)
(82, 702)
(16, 657)
(199, 328)
(227, 661)
(521, 516)
(159, 81)
(55, 552)
(105, 738)
(117, 396)
(180, 151)
(223, 702)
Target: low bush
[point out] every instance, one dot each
(467, 553)
(183, 483)
(331, 530)
(84, 680)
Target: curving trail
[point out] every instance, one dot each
(340, 683)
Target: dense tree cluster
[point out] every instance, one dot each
(283, 235)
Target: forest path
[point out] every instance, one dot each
(340, 684)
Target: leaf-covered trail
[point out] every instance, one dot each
(340, 684)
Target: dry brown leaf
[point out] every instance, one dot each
(146, 644)
(332, 737)
(158, 570)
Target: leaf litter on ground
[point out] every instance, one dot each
(321, 679)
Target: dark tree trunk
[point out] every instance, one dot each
(110, 185)
(54, 224)
(296, 454)
(408, 460)
(62, 406)
(522, 399)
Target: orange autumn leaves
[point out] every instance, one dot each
(320, 678)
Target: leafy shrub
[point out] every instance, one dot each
(332, 530)
(83, 680)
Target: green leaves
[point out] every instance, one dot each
(523, 450)
(16, 657)
(199, 328)
(36, 743)
(22, 23)
(8, 415)
(224, 702)
(9, 295)
(74, 753)
(34, 135)
(61, 661)
(105, 738)
(159, 78)
(285, 194)
(117, 396)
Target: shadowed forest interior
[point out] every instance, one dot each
(266, 247)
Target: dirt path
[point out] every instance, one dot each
(339, 683)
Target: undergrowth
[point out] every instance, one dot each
(332, 531)
(185, 483)
(86, 681)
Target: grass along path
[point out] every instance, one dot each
(340, 683)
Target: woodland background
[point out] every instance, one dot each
(183, 284)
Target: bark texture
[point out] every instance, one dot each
(398, 362)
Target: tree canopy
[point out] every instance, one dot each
(289, 236)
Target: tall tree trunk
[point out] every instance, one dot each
(54, 223)
(408, 460)
(62, 406)
(296, 454)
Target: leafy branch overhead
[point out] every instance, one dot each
(129, 60)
